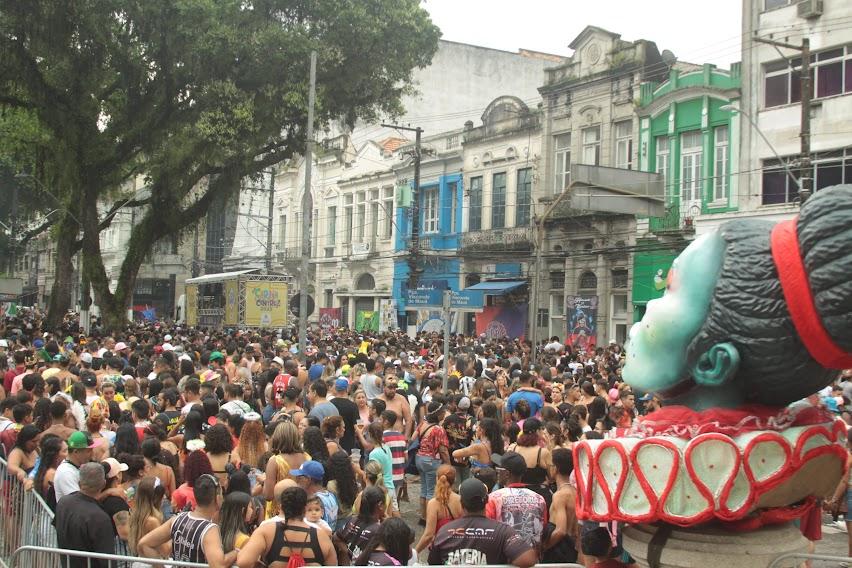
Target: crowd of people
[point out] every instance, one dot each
(231, 448)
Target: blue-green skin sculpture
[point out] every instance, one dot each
(657, 349)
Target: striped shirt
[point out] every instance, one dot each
(187, 538)
(398, 445)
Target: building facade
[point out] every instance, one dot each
(584, 284)
(689, 134)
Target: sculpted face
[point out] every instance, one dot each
(657, 345)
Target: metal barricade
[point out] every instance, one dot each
(24, 517)
(27, 556)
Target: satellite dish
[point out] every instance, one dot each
(669, 58)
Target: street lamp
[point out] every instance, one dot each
(735, 108)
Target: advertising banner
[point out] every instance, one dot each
(191, 304)
(330, 318)
(432, 321)
(232, 304)
(388, 319)
(367, 320)
(502, 321)
(266, 304)
(581, 313)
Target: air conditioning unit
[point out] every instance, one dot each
(809, 8)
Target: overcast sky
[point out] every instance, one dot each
(696, 31)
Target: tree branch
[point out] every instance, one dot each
(26, 236)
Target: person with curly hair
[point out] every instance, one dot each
(252, 441)
(332, 431)
(342, 482)
(315, 445)
(197, 464)
(220, 450)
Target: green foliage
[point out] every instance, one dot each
(181, 90)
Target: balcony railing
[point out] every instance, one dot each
(510, 238)
(672, 221)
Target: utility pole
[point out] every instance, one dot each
(269, 220)
(307, 209)
(414, 248)
(448, 295)
(806, 180)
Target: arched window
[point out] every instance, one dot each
(588, 281)
(365, 282)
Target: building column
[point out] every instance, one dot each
(604, 293)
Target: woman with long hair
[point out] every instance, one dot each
(220, 450)
(196, 465)
(126, 440)
(341, 481)
(152, 453)
(360, 398)
(373, 477)
(488, 440)
(444, 507)
(332, 431)
(78, 405)
(252, 443)
(390, 546)
(540, 468)
(193, 426)
(287, 455)
(236, 508)
(314, 445)
(24, 454)
(54, 450)
(41, 414)
(146, 514)
(381, 453)
(95, 427)
(357, 531)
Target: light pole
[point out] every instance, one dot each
(735, 108)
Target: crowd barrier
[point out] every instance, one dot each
(24, 517)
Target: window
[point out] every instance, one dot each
(348, 217)
(374, 213)
(282, 232)
(592, 146)
(624, 144)
(831, 74)
(523, 195)
(328, 298)
(474, 221)
(387, 210)
(562, 143)
(829, 168)
(720, 181)
(777, 185)
(770, 4)
(430, 210)
(498, 201)
(619, 278)
(588, 281)
(662, 144)
(452, 187)
(452, 141)
(543, 319)
(619, 306)
(557, 280)
(690, 160)
(362, 216)
(331, 239)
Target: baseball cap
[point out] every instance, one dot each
(80, 441)
(120, 346)
(167, 337)
(474, 494)
(216, 355)
(115, 467)
(310, 468)
(168, 347)
(86, 358)
(648, 396)
(341, 385)
(464, 403)
(38, 343)
(512, 462)
(278, 360)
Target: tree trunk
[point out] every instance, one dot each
(63, 281)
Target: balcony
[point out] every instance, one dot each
(612, 190)
(508, 239)
(672, 222)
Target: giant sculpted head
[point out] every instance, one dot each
(753, 312)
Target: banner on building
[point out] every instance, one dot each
(388, 317)
(191, 296)
(266, 304)
(367, 320)
(581, 313)
(432, 321)
(502, 321)
(232, 303)
(330, 318)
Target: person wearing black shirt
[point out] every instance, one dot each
(476, 540)
(81, 523)
(348, 411)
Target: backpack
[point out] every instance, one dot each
(279, 385)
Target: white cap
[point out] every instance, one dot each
(167, 337)
(184, 357)
(168, 347)
(120, 346)
(86, 358)
(278, 360)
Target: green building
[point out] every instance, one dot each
(689, 133)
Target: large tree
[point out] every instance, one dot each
(192, 95)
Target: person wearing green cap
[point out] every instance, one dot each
(67, 477)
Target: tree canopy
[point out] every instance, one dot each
(182, 92)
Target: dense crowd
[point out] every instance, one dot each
(229, 448)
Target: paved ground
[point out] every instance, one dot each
(834, 541)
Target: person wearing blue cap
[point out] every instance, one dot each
(309, 477)
(348, 411)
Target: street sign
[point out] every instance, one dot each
(432, 298)
(294, 305)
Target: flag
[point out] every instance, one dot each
(12, 310)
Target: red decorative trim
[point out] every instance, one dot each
(800, 299)
(728, 485)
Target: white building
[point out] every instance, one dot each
(771, 96)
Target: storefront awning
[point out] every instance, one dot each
(497, 287)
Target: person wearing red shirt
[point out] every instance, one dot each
(19, 357)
